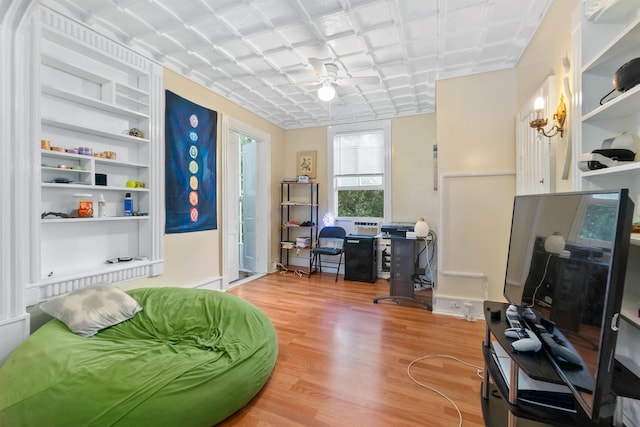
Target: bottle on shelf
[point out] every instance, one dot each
(128, 205)
(102, 204)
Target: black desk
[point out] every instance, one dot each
(403, 270)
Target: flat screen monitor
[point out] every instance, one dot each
(567, 261)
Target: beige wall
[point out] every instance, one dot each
(475, 121)
(476, 134)
(193, 259)
(413, 195)
(412, 139)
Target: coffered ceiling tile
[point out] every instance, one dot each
(387, 55)
(402, 91)
(257, 64)
(347, 45)
(417, 8)
(382, 37)
(466, 19)
(286, 58)
(242, 20)
(373, 14)
(421, 29)
(235, 49)
(503, 33)
(358, 63)
(256, 52)
(319, 7)
(277, 12)
(296, 33)
(264, 42)
(334, 24)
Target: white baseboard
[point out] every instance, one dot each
(464, 308)
(212, 285)
(13, 332)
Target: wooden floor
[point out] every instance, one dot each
(343, 359)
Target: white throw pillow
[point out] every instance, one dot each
(86, 311)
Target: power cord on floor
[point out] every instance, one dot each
(284, 270)
(479, 371)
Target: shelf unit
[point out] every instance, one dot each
(93, 93)
(606, 39)
(298, 204)
(606, 36)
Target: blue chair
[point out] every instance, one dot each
(330, 242)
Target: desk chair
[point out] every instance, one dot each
(330, 242)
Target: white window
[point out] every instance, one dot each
(594, 225)
(360, 170)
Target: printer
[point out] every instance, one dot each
(397, 228)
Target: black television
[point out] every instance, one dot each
(567, 260)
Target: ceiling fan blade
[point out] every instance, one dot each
(309, 85)
(359, 81)
(318, 65)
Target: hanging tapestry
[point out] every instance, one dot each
(190, 166)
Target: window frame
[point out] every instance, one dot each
(332, 189)
(581, 215)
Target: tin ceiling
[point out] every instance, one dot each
(258, 53)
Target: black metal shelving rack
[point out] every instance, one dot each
(293, 210)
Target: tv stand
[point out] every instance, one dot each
(499, 399)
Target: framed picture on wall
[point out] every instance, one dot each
(306, 163)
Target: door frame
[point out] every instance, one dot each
(263, 195)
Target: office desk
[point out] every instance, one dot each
(403, 270)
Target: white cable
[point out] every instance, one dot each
(544, 275)
(479, 372)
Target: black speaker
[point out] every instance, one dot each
(360, 258)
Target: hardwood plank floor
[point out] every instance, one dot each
(343, 359)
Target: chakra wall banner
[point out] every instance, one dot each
(190, 166)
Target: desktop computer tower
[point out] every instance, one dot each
(360, 258)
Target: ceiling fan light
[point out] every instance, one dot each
(326, 93)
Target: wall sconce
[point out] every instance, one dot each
(327, 92)
(558, 118)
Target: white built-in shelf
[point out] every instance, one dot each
(57, 220)
(120, 163)
(65, 66)
(93, 187)
(623, 105)
(630, 169)
(83, 157)
(617, 47)
(83, 129)
(93, 103)
(53, 168)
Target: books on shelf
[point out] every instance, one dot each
(302, 242)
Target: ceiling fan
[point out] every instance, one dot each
(327, 79)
